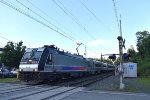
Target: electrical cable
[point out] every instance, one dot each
(116, 14)
(51, 19)
(42, 18)
(70, 15)
(33, 18)
(94, 15)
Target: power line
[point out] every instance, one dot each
(68, 13)
(116, 14)
(50, 18)
(4, 37)
(43, 18)
(2, 44)
(33, 18)
(42, 12)
(94, 15)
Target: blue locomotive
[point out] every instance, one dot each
(51, 63)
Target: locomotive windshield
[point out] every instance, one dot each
(34, 56)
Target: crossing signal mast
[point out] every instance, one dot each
(121, 45)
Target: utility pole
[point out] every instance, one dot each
(101, 57)
(120, 39)
(85, 52)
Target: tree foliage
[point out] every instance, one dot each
(12, 54)
(143, 43)
(142, 56)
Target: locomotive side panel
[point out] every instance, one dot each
(66, 63)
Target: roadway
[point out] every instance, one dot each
(47, 92)
(107, 95)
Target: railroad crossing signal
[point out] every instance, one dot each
(112, 57)
(126, 56)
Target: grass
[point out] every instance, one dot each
(136, 85)
(130, 89)
(8, 80)
(144, 81)
(140, 85)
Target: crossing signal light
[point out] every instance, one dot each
(112, 57)
(126, 56)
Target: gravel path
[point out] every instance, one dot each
(112, 84)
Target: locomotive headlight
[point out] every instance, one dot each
(21, 69)
(35, 69)
(30, 61)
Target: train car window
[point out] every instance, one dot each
(49, 59)
(34, 56)
(26, 56)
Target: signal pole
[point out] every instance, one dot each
(120, 39)
(101, 57)
(85, 52)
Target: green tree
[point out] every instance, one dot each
(12, 54)
(133, 54)
(131, 50)
(143, 41)
(143, 54)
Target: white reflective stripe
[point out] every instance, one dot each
(28, 67)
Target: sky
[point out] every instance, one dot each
(67, 22)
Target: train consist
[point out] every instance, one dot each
(51, 63)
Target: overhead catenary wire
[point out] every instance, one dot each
(85, 42)
(75, 19)
(116, 14)
(33, 18)
(95, 16)
(2, 44)
(4, 38)
(43, 12)
(66, 11)
(43, 18)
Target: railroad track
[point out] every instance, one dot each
(46, 92)
(39, 93)
(85, 81)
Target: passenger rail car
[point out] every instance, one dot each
(51, 63)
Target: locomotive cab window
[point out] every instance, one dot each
(49, 59)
